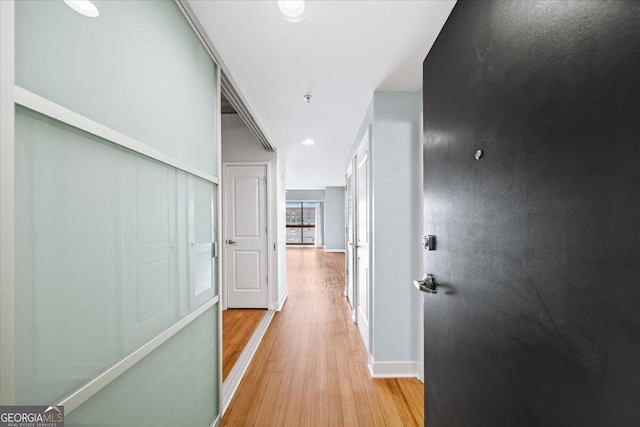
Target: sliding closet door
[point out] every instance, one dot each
(116, 163)
(100, 275)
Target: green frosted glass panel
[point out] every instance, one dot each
(102, 254)
(137, 68)
(203, 267)
(175, 385)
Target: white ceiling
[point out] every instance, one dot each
(340, 53)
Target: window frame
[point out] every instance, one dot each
(301, 226)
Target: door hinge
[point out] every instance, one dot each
(274, 247)
(267, 279)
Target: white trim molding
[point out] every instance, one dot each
(218, 238)
(394, 369)
(83, 394)
(372, 234)
(48, 108)
(283, 299)
(335, 250)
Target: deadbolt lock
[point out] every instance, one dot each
(429, 242)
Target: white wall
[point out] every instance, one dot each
(305, 195)
(239, 145)
(334, 219)
(396, 180)
(282, 230)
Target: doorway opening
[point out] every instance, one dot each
(246, 246)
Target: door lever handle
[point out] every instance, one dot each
(231, 242)
(428, 284)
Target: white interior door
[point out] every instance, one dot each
(245, 228)
(350, 262)
(362, 229)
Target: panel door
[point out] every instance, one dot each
(362, 229)
(246, 236)
(350, 258)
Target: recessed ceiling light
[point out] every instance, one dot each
(308, 98)
(84, 7)
(308, 141)
(292, 10)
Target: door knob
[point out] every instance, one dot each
(231, 242)
(428, 284)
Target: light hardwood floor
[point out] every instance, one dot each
(237, 327)
(310, 369)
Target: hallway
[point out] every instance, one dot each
(310, 369)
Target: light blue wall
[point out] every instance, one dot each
(367, 120)
(396, 180)
(305, 195)
(334, 219)
(396, 230)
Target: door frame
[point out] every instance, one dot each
(366, 139)
(223, 231)
(350, 271)
(422, 267)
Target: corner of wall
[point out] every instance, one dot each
(281, 238)
(396, 179)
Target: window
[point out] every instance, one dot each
(301, 223)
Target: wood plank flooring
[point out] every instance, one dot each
(237, 327)
(310, 369)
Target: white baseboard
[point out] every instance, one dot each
(394, 369)
(335, 250)
(282, 300)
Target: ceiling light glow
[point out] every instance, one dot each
(308, 141)
(84, 7)
(292, 10)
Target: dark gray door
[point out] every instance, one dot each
(537, 316)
